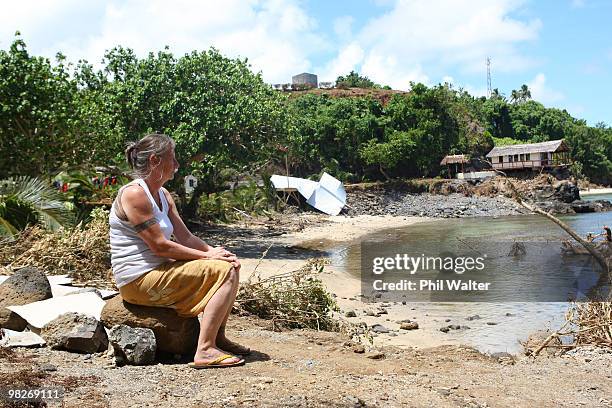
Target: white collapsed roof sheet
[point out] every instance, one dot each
(327, 195)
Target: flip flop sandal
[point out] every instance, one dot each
(217, 363)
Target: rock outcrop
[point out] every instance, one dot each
(174, 334)
(75, 332)
(132, 345)
(25, 286)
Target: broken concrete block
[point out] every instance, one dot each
(75, 332)
(11, 338)
(133, 345)
(38, 314)
(27, 285)
(174, 334)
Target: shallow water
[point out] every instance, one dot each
(515, 320)
(592, 197)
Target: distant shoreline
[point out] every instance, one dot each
(595, 191)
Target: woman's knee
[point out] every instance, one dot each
(234, 274)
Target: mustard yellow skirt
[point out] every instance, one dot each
(185, 286)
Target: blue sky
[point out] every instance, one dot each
(562, 49)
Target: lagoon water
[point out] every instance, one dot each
(591, 197)
(513, 319)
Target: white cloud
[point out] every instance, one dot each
(46, 21)
(576, 110)
(445, 35)
(578, 3)
(349, 59)
(541, 92)
(410, 41)
(447, 79)
(277, 36)
(475, 91)
(343, 26)
(387, 70)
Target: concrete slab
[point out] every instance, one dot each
(53, 279)
(11, 338)
(40, 313)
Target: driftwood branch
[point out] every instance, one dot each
(549, 339)
(590, 247)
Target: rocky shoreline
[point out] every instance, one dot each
(457, 198)
(454, 205)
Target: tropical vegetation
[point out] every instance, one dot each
(228, 124)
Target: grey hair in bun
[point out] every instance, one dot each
(138, 153)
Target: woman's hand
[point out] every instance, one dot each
(222, 254)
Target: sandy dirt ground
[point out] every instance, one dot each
(314, 369)
(305, 368)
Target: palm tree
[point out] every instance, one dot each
(520, 96)
(495, 94)
(27, 201)
(525, 92)
(515, 96)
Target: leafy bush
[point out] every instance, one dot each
(26, 201)
(231, 205)
(354, 80)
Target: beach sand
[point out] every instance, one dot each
(347, 288)
(595, 191)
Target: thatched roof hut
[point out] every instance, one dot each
(454, 159)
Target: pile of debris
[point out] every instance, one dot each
(38, 310)
(83, 252)
(544, 191)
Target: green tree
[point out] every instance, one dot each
(397, 148)
(592, 148)
(39, 122)
(427, 111)
(221, 115)
(354, 80)
(496, 116)
(327, 133)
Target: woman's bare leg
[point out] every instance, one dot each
(212, 318)
(221, 340)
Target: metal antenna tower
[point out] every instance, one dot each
(489, 88)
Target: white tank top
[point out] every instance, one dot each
(131, 257)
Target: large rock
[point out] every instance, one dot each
(132, 345)
(174, 334)
(27, 285)
(566, 191)
(584, 207)
(75, 332)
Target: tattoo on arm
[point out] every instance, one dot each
(144, 225)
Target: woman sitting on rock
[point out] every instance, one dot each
(185, 274)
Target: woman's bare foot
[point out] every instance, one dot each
(207, 355)
(224, 343)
